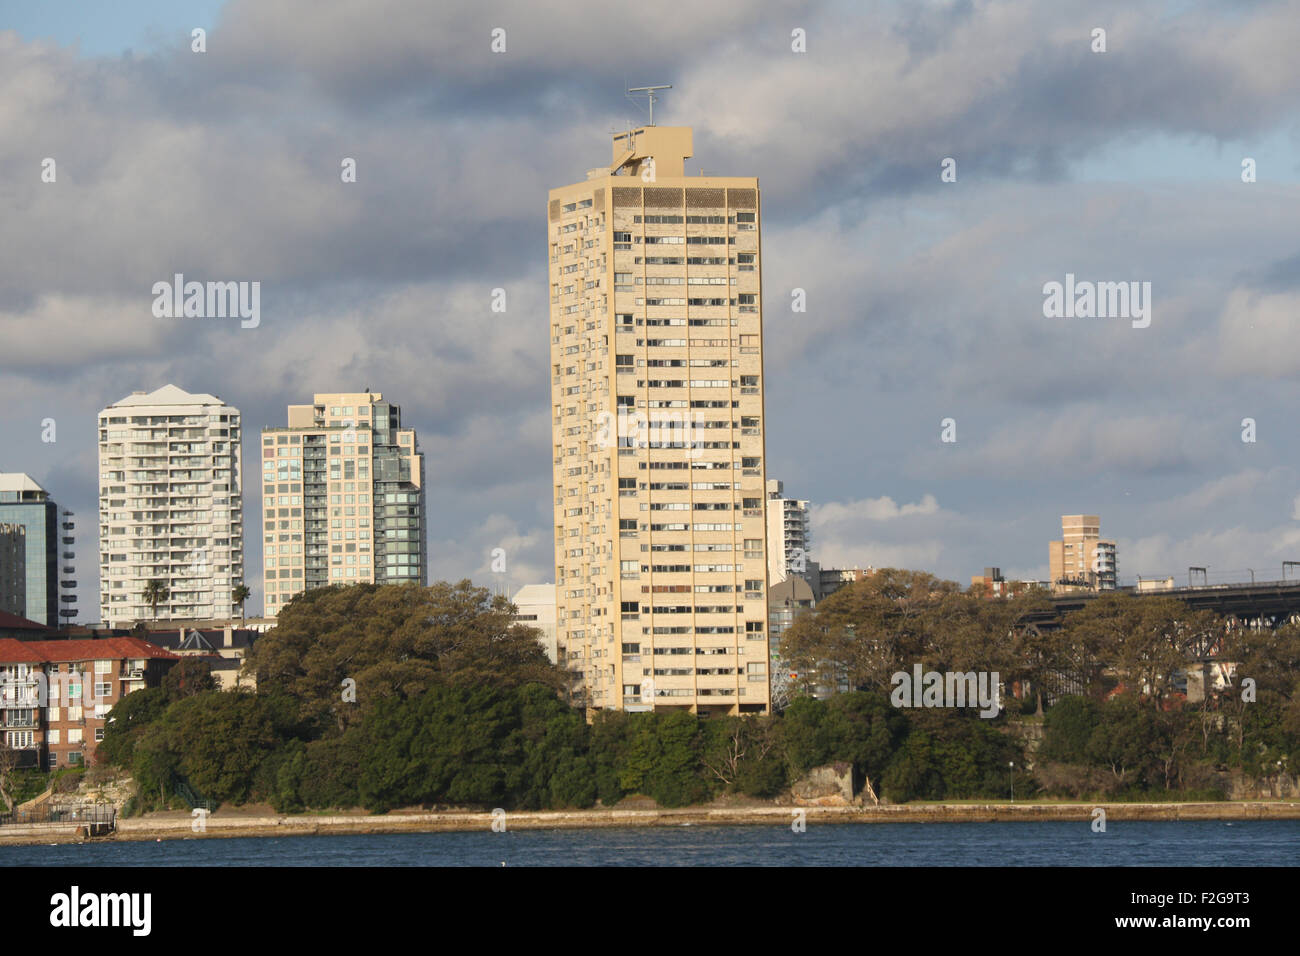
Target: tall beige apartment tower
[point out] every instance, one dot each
(342, 498)
(657, 423)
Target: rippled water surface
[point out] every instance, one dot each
(1198, 843)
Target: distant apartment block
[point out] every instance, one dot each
(785, 600)
(535, 604)
(657, 432)
(789, 538)
(55, 695)
(826, 581)
(991, 584)
(1082, 560)
(170, 506)
(50, 589)
(343, 498)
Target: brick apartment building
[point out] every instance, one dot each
(56, 695)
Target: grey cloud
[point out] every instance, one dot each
(924, 298)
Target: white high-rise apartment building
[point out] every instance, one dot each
(657, 425)
(788, 534)
(170, 506)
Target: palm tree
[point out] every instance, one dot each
(154, 592)
(240, 595)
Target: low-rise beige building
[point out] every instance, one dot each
(1155, 584)
(223, 648)
(535, 604)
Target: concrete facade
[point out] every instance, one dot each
(657, 423)
(536, 606)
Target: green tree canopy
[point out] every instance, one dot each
(872, 628)
(187, 677)
(219, 739)
(394, 640)
(126, 721)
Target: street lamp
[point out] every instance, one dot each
(1011, 772)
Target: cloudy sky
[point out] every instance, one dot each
(924, 297)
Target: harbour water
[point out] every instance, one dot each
(1191, 843)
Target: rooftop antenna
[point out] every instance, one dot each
(650, 92)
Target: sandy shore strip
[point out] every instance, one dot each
(176, 826)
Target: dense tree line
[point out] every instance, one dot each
(523, 748)
(1117, 669)
(384, 697)
(894, 619)
(1121, 748)
(391, 696)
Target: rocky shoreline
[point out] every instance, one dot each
(235, 825)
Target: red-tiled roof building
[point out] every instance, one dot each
(56, 695)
